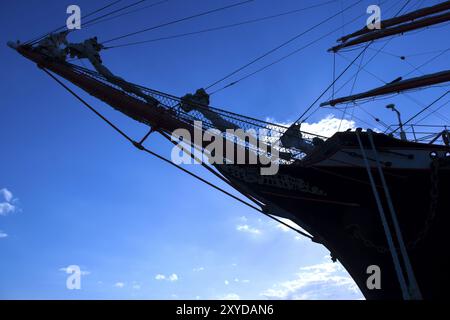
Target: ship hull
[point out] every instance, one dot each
(337, 206)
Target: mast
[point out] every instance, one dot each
(395, 87)
(378, 34)
(404, 18)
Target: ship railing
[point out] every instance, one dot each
(422, 133)
(265, 131)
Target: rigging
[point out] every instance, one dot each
(180, 35)
(142, 148)
(204, 13)
(30, 42)
(280, 46)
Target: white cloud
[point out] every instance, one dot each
(247, 228)
(7, 195)
(6, 208)
(328, 126)
(230, 296)
(136, 286)
(321, 281)
(119, 285)
(3, 235)
(198, 269)
(245, 281)
(325, 127)
(283, 228)
(160, 277)
(226, 282)
(173, 277)
(7, 202)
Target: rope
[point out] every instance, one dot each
(331, 85)
(142, 148)
(62, 27)
(129, 12)
(220, 27)
(423, 110)
(280, 46)
(115, 11)
(415, 291)
(179, 20)
(384, 222)
(284, 57)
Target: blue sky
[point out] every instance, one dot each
(73, 192)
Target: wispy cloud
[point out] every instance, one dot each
(242, 281)
(119, 285)
(3, 234)
(230, 296)
(282, 227)
(6, 194)
(198, 269)
(327, 280)
(172, 278)
(247, 228)
(136, 285)
(7, 202)
(243, 218)
(6, 208)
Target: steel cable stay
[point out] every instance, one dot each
(345, 70)
(410, 290)
(441, 52)
(286, 56)
(106, 18)
(427, 62)
(280, 46)
(433, 112)
(197, 15)
(115, 11)
(329, 87)
(423, 105)
(139, 146)
(352, 89)
(30, 42)
(423, 110)
(278, 60)
(227, 26)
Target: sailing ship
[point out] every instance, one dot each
(371, 198)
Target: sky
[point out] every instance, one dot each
(72, 192)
